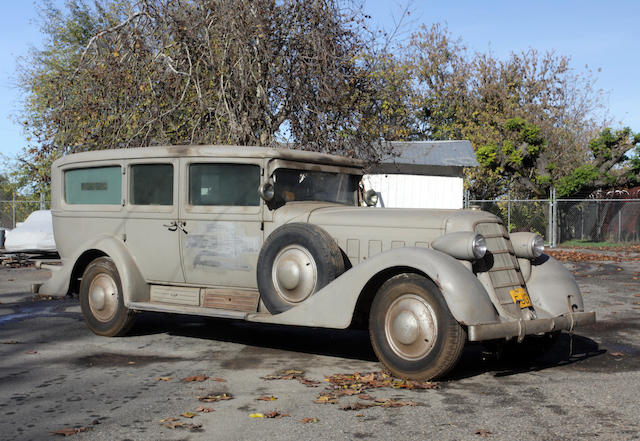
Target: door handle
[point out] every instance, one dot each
(173, 226)
(180, 225)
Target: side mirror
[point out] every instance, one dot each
(267, 191)
(371, 198)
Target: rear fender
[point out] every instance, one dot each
(334, 305)
(134, 287)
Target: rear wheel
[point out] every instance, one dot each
(412, 330)
(101, 299)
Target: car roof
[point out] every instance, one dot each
(213, 151)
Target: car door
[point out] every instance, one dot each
(222, 212)
(151, 225)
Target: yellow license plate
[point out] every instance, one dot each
(520, 295)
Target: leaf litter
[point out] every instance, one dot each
(272, 414)
(357, 385)
(292, 374)
(195, 378)
(213, 397)
(68, 431)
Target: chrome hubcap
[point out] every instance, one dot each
(411, 327)
(103, 297)
(294, 274)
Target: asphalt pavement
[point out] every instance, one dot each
(187, 378)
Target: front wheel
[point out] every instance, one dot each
(412, 330)
(101, 299)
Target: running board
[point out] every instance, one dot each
(191, 310)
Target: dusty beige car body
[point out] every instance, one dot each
(185, 257)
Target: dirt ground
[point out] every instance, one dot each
(56, 375)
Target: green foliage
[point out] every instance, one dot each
(579, 178)
(486, 155)
(521, 114)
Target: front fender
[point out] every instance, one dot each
(333, 306)
(552, 287)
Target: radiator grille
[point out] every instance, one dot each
(501, 264)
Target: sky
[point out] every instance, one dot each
(600, 34)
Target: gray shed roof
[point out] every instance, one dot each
(435, 158)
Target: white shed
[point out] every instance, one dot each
(422, 174)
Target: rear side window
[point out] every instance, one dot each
(94, 186)
(151, 184)
(224, 184)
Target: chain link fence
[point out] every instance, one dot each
(601, 220)
(15, 211)
(566, 220)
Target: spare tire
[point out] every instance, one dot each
(295, 261)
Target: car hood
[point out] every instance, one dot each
(325, 214)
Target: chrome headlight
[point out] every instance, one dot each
(527, 245)
(537, 246)
(371, 198)
(463, 245)
(479, 246)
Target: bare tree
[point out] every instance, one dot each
(121, 73)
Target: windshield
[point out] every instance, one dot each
(306, 185)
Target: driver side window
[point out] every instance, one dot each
(224, 184)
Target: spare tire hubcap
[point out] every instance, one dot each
(295, 273)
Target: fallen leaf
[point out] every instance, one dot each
(309, 383)
(131, 362)
(204, 409)
(394, 403)
(163, 379)
(195, 378)
(266, 398)
(70, 431)
(292, 374)
(358, 405)
(366, 397)
(309, 420)
(368, 378)
(256, 415)
(275, 414)
(211, 398)
(180, 425)
(188, 414)
(221, 380)
(325, 398)
(10, 342)
(617, 354)
(168, 420)
(31, 352)
(482, 432)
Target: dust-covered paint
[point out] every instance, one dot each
(221, 245)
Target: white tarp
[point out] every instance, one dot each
(34, 234)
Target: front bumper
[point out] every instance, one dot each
(520, 328)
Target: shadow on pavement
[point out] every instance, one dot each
(566, 351)
(344, 343)
(355, 344)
